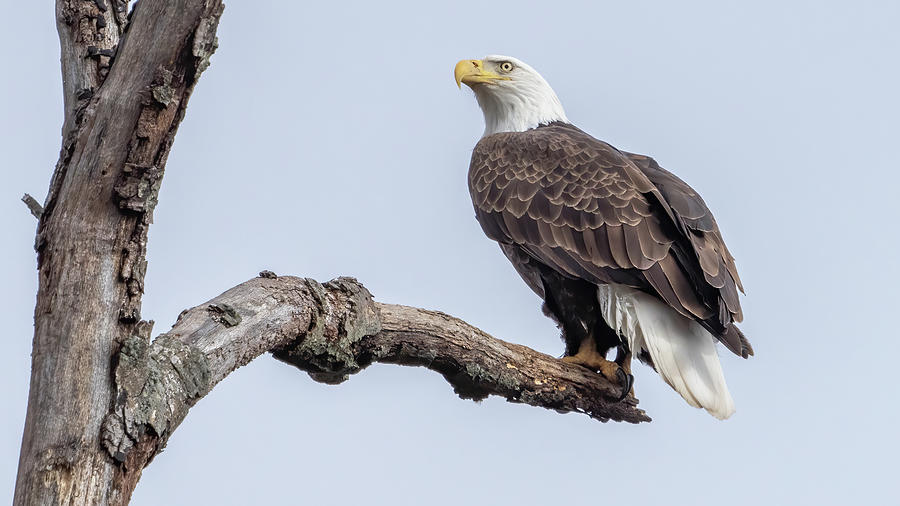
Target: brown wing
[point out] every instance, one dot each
(581, 207)
(697, 223)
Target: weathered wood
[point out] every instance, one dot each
(478, 365)
(126, 86)
(330, 331)
(34, 207)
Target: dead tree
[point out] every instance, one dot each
(104, 398)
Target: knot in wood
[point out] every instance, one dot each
(343, 313)
(224, 314)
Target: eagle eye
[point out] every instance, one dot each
(506, 66)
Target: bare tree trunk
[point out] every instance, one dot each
(126, 87)
(104, 399)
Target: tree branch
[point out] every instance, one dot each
(36, 209)
(89, 33)
(479, 365)
(330, 331)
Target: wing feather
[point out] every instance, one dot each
(616, 239)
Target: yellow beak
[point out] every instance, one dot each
(471, 72)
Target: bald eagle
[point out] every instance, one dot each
(623, 253)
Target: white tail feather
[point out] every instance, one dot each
(683, 352)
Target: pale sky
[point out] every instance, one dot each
(329, 139)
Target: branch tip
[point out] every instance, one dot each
(36, 209)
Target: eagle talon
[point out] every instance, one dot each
(626, 381)
(614, 372)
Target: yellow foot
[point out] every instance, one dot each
(589, 357)
(595, 362)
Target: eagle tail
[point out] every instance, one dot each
(682, 351)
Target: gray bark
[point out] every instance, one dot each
(103, 399)
(126, 86)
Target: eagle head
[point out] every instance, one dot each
(512, 95)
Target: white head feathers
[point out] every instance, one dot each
(512, 95)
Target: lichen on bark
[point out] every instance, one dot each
(156, 385)
(342, 315)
